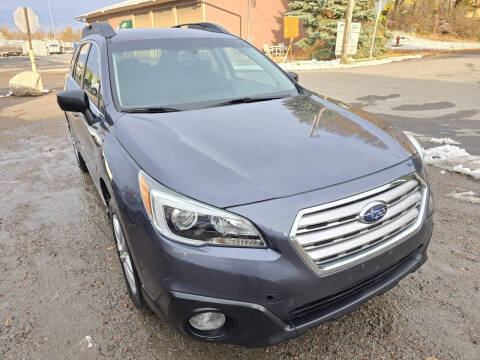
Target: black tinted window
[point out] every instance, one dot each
(80, 64)
(91, 81)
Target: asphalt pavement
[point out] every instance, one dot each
(22, 63)
(62, 293)
(434, 96)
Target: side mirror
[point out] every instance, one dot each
(293, 76)
(73, 100)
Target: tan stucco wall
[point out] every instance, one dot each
(229, 14)
(266, 19)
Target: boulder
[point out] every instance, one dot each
(27, 83)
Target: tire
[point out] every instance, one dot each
(80, 162)
(132, 281)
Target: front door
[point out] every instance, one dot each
(93, 120)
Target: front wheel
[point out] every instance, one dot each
(129, 271)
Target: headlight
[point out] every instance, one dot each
(190, 222)
(416, 145)
(420, 154)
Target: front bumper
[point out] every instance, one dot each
(255, 325)
(270, 294)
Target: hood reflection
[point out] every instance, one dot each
(323, 119)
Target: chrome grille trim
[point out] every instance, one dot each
(330, 237)
(354, 208)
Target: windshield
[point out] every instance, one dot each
(193, 73)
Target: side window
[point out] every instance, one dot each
(80, 64)
(91, 81)
(73, 61)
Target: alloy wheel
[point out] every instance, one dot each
(124, 254)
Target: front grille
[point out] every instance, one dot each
(332, 236)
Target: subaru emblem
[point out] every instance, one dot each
(373, 212)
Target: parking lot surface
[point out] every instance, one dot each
(62, 294)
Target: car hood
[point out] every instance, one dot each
(244, 153)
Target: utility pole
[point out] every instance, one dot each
(51, 19)
(346, 34)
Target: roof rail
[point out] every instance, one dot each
(206, 26)
(99, 28)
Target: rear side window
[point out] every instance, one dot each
(72, 63)
(91, 80)
(80, 64)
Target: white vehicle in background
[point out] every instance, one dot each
(53, 47)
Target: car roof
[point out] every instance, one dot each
(165, 33)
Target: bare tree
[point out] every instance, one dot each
(436, 11)
(396, 6)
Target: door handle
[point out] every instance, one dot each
(75, 114)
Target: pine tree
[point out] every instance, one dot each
(320, 17)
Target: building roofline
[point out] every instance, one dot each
(122, 6)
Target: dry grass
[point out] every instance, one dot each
(453, 24)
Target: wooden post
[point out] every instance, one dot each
(30, 46)
(289, 49)
(346, 33)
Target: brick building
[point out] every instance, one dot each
(258, 21)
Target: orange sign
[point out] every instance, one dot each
(291, 27)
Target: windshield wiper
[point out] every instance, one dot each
(248, 99)
(152, 109)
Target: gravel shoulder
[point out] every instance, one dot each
(62, 293)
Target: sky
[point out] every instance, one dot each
(63, 11)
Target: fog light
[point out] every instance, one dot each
(207, 321)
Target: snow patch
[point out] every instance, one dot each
(89, 341)
(443, 141)
(449, 157)
(467, 171)
(453, 158)
(424, 138)
(444, 153)
(468, 196)
(335, 64)
(411, 42)
(85, 343)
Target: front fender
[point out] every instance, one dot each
(122, 182)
